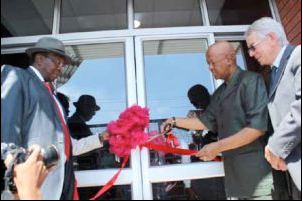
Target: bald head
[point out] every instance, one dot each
(221, 57)
(222, 48)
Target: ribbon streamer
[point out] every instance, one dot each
(111, 182)
(166, 149)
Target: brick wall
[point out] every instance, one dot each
(290, 14)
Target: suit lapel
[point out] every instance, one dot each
(35, 77)
(281, 69)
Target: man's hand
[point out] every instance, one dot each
(168, 121)
(209, 151)
(276, 162)
(29, 176)
(105, 136)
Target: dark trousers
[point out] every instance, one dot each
(281, 189)
(284, 187)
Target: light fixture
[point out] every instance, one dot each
(137, 23)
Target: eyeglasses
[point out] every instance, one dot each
(253, 47)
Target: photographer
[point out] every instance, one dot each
(29, 176)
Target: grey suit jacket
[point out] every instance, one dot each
(285, 112)
(28, 116)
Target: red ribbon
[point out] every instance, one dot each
(172, 140)
(172, 150)
(157, 147)
(111, 182)
(168, 149)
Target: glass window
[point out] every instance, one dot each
(172, 67)
(93, 15)
(26, 17)
(198, 189)
(167, 13)
(236, 12)
(122, 192)
(97, 94)
(240, 55)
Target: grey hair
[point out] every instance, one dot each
(265, 25)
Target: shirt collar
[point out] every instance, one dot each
(277, 61)
(234, 77)
(37, 73)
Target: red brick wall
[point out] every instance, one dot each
(290, 15)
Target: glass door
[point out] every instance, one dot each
(105, 74)
(167, 66)
(152, 71)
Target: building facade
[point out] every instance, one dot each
(290, 16)
(145, 52)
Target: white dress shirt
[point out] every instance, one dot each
(83, 145)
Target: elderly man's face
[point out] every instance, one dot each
(260, 48)
(218, 64)
(53, 66)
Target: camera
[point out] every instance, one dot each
(49, 154)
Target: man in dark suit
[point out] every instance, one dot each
(30, 114)
(267, 43)
(238, 113)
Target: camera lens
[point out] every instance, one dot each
(50, 155)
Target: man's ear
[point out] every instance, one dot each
(273, 36)
(231, 58)
(38, 58)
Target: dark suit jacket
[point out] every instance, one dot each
(28, 116)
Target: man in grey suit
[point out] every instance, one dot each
(32, 114)
(267, 43)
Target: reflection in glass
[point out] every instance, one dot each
(171, 68)
(199, 189)
(166, 13)
(26, 17)
(236, 12)
(94, 16)
(101, 75)
(97, 93)
(122, 192)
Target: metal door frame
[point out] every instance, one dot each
(168, 173)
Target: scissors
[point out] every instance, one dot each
(167, 129)
(171, 139)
